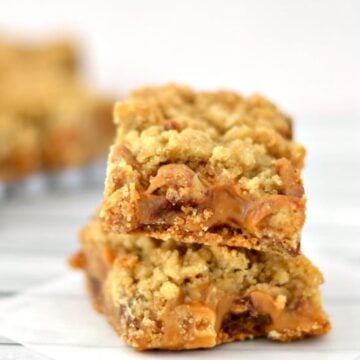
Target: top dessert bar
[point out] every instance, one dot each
(206, 167)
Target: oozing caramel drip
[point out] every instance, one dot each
(302, 317)
(290, 177)
(189, 326)
(199, 324)
(161, 202)
(227, 207)
(78, 260)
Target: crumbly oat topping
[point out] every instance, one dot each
(174, 124)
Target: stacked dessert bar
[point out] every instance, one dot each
(197, 242)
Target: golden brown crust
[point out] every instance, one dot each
(176, 296)
(48, 118)
(194, 166)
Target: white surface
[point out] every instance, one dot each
(304, 54)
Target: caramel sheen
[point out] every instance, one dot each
(302, 317)
(189, 326)
(172, 175)
(78, 260)
(291, 182)
(108, 255)
(196, 325)
(226, 206)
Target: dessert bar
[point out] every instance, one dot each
(205, 167)
(170, 295)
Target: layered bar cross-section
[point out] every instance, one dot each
(205, 167)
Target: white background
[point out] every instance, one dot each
(303, 54)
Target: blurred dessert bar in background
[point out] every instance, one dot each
(49, 118)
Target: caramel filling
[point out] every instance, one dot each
(199, 325)
(189, 326)
(290, 177)
(78, 260)
(176, 189)
(121, 152)
(218, 205)
(172, 175)
(302, 317)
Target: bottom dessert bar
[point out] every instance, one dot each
(169, 295)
